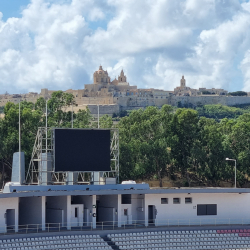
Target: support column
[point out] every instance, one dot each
(146, 210)
(43, 212)
(94, 211)
(16, 216)
(119, 210)
(68, 212)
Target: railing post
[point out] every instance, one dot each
(48, 227)
(102, 226)
(189, 222)
(59, 227)
(37, 228)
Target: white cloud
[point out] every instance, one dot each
(57, 44)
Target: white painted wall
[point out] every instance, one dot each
(93, 211)
(119, 210)
(229, 206)
(30, 210)
(43, 212)
(135, 210)
(86, 200)
(8, 203)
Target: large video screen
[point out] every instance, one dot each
(81, 150)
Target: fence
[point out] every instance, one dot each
(113, 225)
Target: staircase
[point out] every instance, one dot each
(110, 243)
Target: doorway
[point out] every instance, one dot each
(151, 214)
(10, 218)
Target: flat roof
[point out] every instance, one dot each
(61, 190)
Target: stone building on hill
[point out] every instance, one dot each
(183, 90)
(113, 96)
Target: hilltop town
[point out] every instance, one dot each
(118, 94)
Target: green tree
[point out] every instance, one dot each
(58, 117)
(82, 119)
(184, 133)
(142, 139)
(9, 132)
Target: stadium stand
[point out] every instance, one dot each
(147, 240)
(173, 240)
(74, 242)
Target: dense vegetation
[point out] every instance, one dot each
(178, 143)
(238, 93)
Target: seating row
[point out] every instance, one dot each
(165, 232)
(51, 238)
(65, 248)
(229, 231)
(162, 237)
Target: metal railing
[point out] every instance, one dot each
(114, 225)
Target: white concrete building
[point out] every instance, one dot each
(121, 204)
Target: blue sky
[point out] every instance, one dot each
(59, 44)
(12, 8)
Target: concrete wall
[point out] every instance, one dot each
(209, 99)
(8, 203)
(58, 202)
(229, 206)
(109, 201)
(30, 210)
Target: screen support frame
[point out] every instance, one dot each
(44, 146)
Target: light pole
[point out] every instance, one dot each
(227, 159)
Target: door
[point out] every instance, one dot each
(75, 216)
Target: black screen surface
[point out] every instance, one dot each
(81, 150)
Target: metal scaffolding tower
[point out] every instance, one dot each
(41, 169)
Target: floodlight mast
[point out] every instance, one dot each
(227, 159)
(19, 141)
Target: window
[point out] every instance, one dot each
(188, 200)
(210, 209)
(164, 200)
(126, 198)
(176, 200)
(76, 211)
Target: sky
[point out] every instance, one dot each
(58, 44)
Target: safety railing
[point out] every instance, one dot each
(114, 225)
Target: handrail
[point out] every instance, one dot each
(113, 225)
